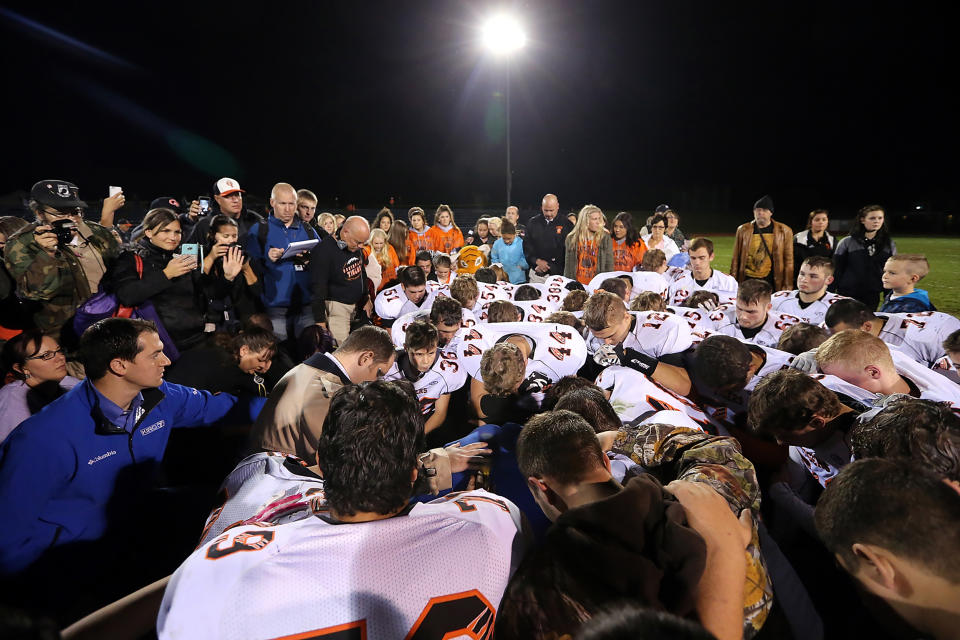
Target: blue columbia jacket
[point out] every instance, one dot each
(914, 302)
(285, 282)
(60, 468)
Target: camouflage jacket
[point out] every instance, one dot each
(678, 453)
(56, 281)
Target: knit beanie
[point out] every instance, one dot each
(766, 202)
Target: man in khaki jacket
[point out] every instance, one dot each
(764, 249)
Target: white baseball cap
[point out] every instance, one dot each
(226, 186)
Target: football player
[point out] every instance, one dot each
(408, 296)
(751, 318)
(701, 275)
(810, 300)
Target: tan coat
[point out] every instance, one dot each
(782, 251)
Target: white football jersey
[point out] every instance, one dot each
(789, 302)
(931, 384)
(558, 350)
(557, 281)
(265, 487)
(824, 461)
(393, 302)
(633, 394)
(438, 569)
(654, 333)
(920, 335)
(769, 336)
(552, 292)
(530, 310)
(398, 332)
(445, 376)
(723, 285)
(724, 406)
(696, 318)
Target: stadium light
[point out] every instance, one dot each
(503, 36)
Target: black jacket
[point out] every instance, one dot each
(546, 240)
(336, 274)
(179, 302)
(201, 230)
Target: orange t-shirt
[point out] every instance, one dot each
(626, 257)
(445, 241)
(417, 242)
(586, 261)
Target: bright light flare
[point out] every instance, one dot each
(502, 35)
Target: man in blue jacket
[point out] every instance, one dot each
(92, 455)
(286, 281)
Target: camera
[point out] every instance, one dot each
(64, 229)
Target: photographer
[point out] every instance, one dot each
(233, 289)
(59, 260)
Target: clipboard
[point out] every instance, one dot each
(296, 247)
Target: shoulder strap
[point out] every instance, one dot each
(139, 262)
(262, 237)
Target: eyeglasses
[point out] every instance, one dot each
(658, 226)
(47, 355)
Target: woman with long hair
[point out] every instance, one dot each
(397, 238)
(589, 248)
(628, 246)
(383, 221)
(657, 240)
(228, 298)
(860, 257)
(39, 371)
(384, 253)
(445, 236)
(417, 238)
(815, 240)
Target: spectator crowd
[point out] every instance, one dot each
(229, 423)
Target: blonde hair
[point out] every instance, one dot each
(382, 256)
(648, 301)
(855, 348)
(325, 216)
(581, 232)
(501, 274)
(493, 222)
(914, 263)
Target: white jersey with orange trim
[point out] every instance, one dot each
(557, 349)
(826, 460)
(920, 335)
(530, 310)
(931, 385)
(392, 303)
(445, 376)
(696, 318)
(769, 334)
(398, 332)
(552, 293)
(723, 285)
(654, 333)
(489, 293)
(437, 569)
(633, 394)
(557, 281)
(789, 302)
(724, 406)
(265, 487)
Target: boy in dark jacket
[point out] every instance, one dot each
(900, 274)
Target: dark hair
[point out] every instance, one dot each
(416, 211)
(368, 447)
(896, 505)
(786, 401)
(18, 348)
(508, 228)
(502, 311)
(925, 431)
(369, 338)
(615, 286)
(218, 221)
(420, 335)
(754, 290)
(157, 219)
(633, 236)
(108, 339)
(702, 243)
(526, 292)
(657, 217)
(859, 232)
(722, 363)
(412, 276)
(802, 337)
(628, 621)
(852, 313)
(813, 214)
(562, 387)
(575, 300)
(314, 339)
(559, 445)
(952, 343)
(11, 225)
(446, 311)
(573, 285)
(485, 275)
(397, 238)
(255, 339)
(652, 260)
(820, 262)
(442, 260)
(383, 213)
(592, 405)
(697, 298)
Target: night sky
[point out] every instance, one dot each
(706, 106)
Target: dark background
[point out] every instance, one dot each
(706, 106)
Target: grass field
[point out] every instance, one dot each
(943, 283)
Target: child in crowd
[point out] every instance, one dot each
(443, 268)
(900, 274)
(508, 251)
(384, 253)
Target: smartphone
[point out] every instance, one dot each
(204, 205)
(115, 190)
(192, 249)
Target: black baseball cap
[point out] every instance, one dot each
(58, 194)
(663, 208)
(167, 202)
